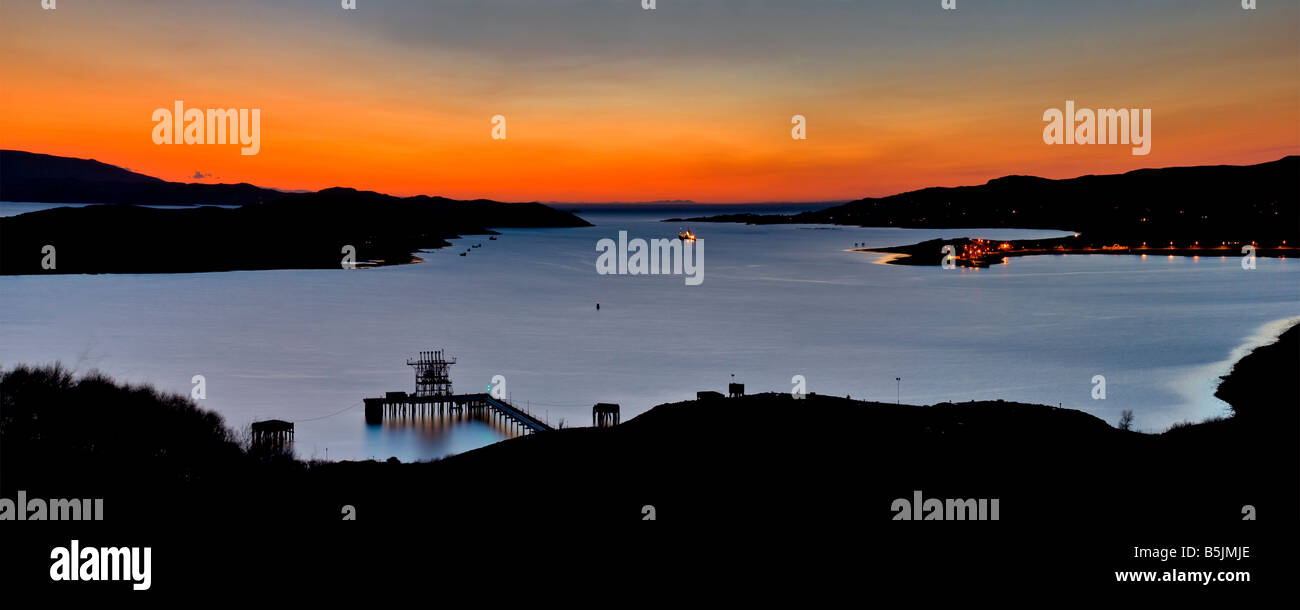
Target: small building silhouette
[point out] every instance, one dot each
(273, 436)
(735, 389)
(604, 415)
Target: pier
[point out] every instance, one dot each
(401, 404)
(433, 397)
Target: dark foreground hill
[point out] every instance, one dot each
(763, 483)
(764, 458)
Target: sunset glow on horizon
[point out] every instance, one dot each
(607, 102)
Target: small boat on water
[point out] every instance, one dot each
(685, 235)
(492, 238)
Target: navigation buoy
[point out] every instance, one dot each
(597, 305)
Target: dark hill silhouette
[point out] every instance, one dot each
(717, 460)
(1268, 371)
(17, 165)
(1205, 203)
(302, 232)
(1076, 495)
(26, 176)
(100, 438)
(284, 231)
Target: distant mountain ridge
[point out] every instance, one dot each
(1215, 202)
(41, 178)
(20, 165)
(27, 176)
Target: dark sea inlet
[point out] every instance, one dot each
(776, 301)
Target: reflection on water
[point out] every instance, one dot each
(430, 436)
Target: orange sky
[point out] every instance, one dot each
(619, 105)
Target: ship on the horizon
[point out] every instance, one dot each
(685, 235)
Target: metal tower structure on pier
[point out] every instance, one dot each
(432, 376)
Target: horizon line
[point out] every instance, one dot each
(677, 201)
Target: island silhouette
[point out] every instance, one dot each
(279, 230)
(1215, 209)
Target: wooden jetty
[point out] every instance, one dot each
(433, 396)
(401, 404)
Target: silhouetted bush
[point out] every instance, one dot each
(1125, 420)
(60, 434)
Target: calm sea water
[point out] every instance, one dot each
(776, 301)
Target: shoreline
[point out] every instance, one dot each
(982, 253)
